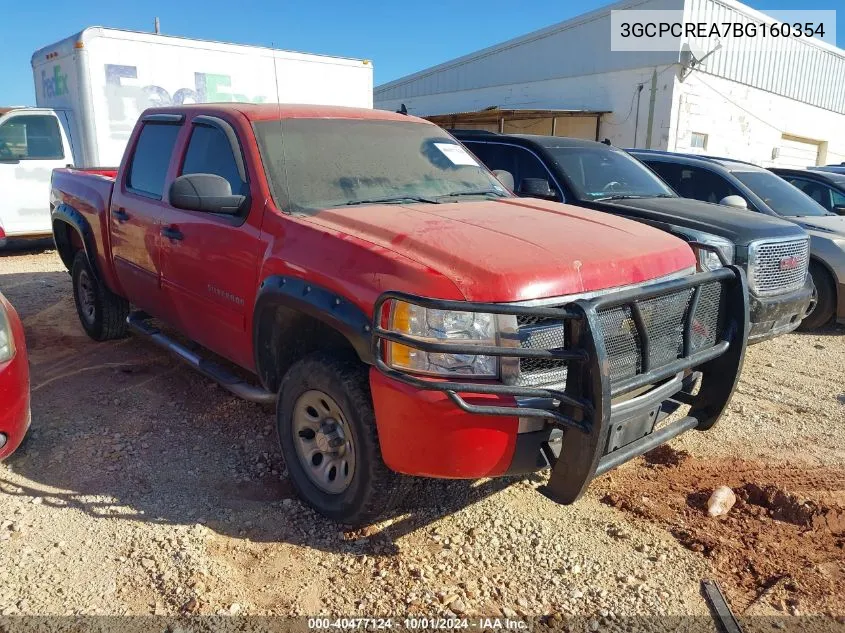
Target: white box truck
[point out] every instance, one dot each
(91, 87)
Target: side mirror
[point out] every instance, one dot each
(536, 188)
(839, 210)
(504, 177)
(205, 192)
(737, 202)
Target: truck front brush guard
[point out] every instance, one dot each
(588, 401)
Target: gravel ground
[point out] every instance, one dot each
(144, 488)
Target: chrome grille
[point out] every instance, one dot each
(621, 341)
(777, 267)
(708, 315)
(540, 333)
(664, 318)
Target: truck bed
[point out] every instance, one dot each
(87, 192)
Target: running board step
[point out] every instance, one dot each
(139, 322)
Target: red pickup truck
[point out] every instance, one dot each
(402, 309)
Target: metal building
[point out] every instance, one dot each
(785, 108)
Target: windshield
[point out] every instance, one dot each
(783, 198)
(315, 164)
(595, 173)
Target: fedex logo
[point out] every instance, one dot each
(207, 88)
(54, 85)
(127, 95)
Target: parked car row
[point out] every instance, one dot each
(773, 254)
(770, 244)
(763, 192)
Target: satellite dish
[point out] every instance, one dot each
(693, 56)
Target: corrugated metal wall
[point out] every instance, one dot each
(800, 70)
(576, 47)
(581, 46)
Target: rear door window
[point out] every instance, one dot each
(669, 172)
(494, 155)
(151, 158)
(816, 190)
(696, 183)
(520, 162)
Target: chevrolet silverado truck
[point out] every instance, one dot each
(401, 309)
(773, 253)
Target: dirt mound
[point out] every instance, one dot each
(782, 546)
(786, 507)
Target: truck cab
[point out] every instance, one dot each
(33, 142)
(403, 312)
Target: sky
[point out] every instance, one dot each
(399, 37)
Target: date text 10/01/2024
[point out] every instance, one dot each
(417, 623)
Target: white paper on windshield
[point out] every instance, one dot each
(457, 154)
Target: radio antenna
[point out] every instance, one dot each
(279, 109)
(276, 77)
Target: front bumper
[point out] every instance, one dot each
(773, 316)
(604, 421)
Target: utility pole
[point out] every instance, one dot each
(157, 26)
(651, 109)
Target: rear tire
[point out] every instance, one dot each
(101, 312)
(325, 412)
(825, 298)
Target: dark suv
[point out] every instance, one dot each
(753, 188)
(773, 253)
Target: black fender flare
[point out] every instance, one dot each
(305, 298)
(73, 218)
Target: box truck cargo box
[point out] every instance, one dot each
(91, 87)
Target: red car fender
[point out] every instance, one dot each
(14, 386)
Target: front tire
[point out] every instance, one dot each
(101, 312)
(327, 432)
(825, 298)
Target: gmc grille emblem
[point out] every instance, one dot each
(789, 263)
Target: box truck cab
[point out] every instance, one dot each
(90, 89)
(33, 142)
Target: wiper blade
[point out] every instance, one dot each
(620, 197)
(390, 200)
(481, 192)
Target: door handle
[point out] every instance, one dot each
(120, 214)
(172, 233)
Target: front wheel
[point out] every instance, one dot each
(328, 436)
(824, 298)
(101, 312)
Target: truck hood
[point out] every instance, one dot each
(516, 249)
(828, 225)
(740, 227)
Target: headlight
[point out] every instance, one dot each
(442, 326)
(707, 258)
(7, 343)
